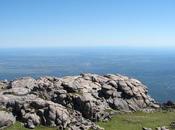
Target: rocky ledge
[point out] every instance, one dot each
(72, 102)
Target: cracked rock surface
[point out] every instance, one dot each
(73, 102)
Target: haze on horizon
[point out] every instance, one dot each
(54, 23)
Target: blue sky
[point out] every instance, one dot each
(52, 23)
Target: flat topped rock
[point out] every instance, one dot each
(26, 82)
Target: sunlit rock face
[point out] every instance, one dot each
(74, 102)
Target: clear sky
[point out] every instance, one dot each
(43, 23)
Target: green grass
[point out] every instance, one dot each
(19, 126)
(138, 120)
(127, 121)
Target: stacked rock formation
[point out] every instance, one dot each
(73, 102)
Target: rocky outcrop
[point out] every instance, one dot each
(6, 119)
(73, 102)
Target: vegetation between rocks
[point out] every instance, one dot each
(125, 121)
(19, 126)
(138, 120)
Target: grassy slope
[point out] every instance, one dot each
(129, 121)
(138, 120)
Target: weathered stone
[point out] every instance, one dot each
(120, 104)
(22, 86)
(113, 83)
(6, 119)
(146, 128)
(72, 102)
(122, 84)
(26, 82)
(32, 120)
(107, 87)
(70, 87)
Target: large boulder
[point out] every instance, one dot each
(6, 119)
(22, 86)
